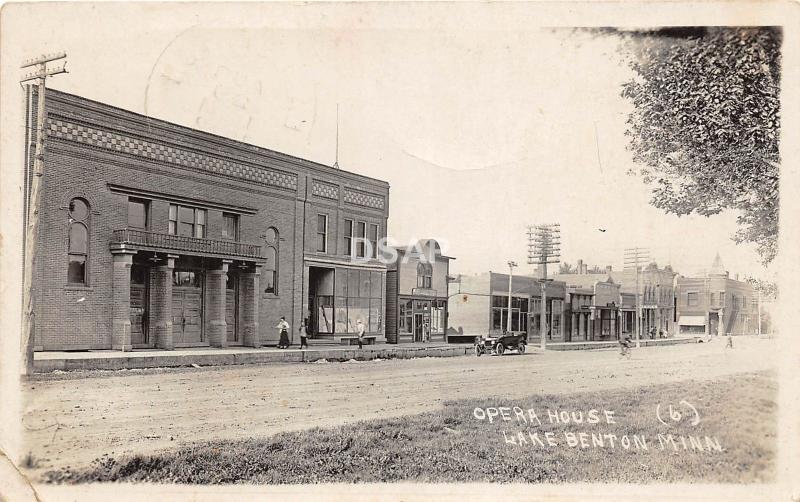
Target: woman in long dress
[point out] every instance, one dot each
(283, 326)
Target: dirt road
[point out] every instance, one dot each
(70, 421)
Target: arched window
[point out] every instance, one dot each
(424, 275)
(78, 246)
(270, 274)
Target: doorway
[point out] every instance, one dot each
(232, 308)
(187, 308)
(320, 302)
(713, 323)
(138, 305)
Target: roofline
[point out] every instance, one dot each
(233, 143)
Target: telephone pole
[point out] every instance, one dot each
(544, 246)
(31, 209)
(511, 265)
(634, 257)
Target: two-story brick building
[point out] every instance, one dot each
(155, 235)
(716, 304)
(416, 293)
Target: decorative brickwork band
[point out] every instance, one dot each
(363, 199)
(326, 190)
(249, 298)
(216, 327)
(161, 304)
(121, 309)
(116, 142)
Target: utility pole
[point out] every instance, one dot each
(40, 75)
(758, 329)
(544, 243)
(511, 265)
(634, 257)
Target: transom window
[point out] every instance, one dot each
(187, 221)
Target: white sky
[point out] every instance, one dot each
(480, 123)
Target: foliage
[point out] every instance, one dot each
(768, 289)
(450, 445)
(704, 130)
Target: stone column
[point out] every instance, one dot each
(249, 298)
(161, 303)
(121, 297)
(216, 327)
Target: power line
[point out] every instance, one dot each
(544, 246)
(33, 182)
(633, 258)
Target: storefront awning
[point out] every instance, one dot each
(692, 320)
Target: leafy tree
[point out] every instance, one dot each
(705, 124)
(566, 268)
(768, 289)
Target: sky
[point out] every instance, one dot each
(482, 122)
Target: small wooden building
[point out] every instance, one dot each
(416, 294)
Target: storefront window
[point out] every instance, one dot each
(359, 295)
(519, 313)
(405, 318)
(438, 317)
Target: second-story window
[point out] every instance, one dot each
(230, 226)
(361, 238)
(348, 237)
(137, 213)
(322, 233)
(373, 239)
(424, 275)
(187, 221)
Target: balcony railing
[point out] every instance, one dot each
(156, 241)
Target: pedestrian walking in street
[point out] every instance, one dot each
(303, 334)
(729, 345)
(283, 327)
(426, 332)
(360, 329)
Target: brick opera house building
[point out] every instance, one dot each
(157, 235)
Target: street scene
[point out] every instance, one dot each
(407, 251)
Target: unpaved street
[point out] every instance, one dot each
(70, 421)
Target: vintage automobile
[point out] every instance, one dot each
(498, 344)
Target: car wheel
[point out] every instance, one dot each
(521, 348)
(499, 349)
(478, 351)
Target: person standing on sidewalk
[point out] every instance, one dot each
(284, 327)
(303, 334)
(360, 329)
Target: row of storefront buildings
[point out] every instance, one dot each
(155, 235)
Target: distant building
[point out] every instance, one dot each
(716, 304)
(592, 306)
(656, 296)
(656, 299)
(479, 306)
(416, 294)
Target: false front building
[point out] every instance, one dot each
(416, 293)
(154, 235)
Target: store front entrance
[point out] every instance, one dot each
(232, 309)
(187, 308)
(138, 303)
